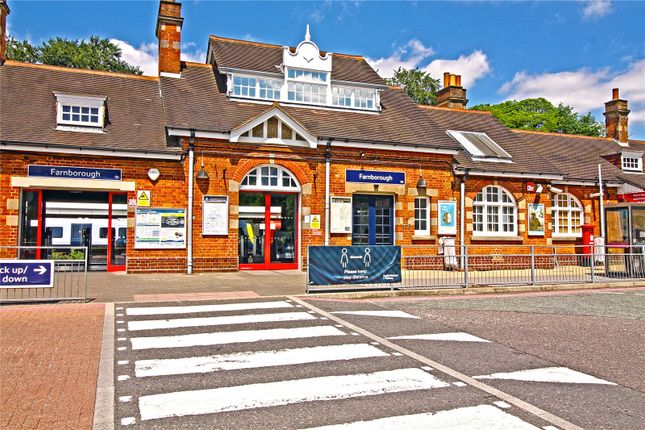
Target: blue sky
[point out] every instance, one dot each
(572, 52)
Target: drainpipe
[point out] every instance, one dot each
(462, 216)
(327, 195)
(602, 203)
(189, 216)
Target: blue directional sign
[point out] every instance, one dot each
(74, 172)
(375, 177)
(26, 274)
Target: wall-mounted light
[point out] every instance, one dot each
(153, 174)
(421, 185)
(202, 174)
(555, 189)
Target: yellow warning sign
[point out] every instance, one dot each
(143, 198)
(314, 224)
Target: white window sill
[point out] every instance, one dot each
(423, 237)
(571, 238)
(493, 238)
(80, 129)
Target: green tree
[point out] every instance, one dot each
(539, 114)
(419, 85)
(94, 54)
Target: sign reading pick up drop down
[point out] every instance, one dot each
(26, 274)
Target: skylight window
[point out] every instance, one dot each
(479, 145)
(83, 111)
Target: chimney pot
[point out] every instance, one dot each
(452, 95)
(458, 80)
(446, 79)
(614, 94)
(452, 80)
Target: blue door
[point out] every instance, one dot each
(372, 220)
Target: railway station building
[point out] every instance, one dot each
(244, 161)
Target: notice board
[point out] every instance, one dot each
(160, 228)
(215, 215)
(341, 215)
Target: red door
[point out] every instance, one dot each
(268, 231)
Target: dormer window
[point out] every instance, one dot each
(82, 111)
(632, 162)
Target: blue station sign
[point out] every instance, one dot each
(26, 273)
(74, 172)
(337, 265)
(375, 177)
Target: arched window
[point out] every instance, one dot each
(567, 215)
(494, 212)
(270, 177)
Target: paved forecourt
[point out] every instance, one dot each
(584, 399)
(274, 363)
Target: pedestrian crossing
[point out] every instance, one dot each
(273, 364)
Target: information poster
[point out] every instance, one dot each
(536, 219)
(215, 216)
(341, 215)
(447, 213)
(160, 228)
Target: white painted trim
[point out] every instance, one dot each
(493, 160)
(388, 147)
(170, 75)
(78, 100)
(236, 133)
(583, 183)
(83, 151)
(289, 103)
(509, 174)
(71, 184)
(200, 134)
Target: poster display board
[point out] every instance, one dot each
(333, 265)
(215, 216)
(447, 213)
(341, 215)
(536, 219)
(160, 228)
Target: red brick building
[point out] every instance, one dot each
(245, 161)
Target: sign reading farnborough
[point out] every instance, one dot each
(26, 273)
(74, 172)
(375, 177)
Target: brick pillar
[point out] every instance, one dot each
(452, 95)
(4, 11)
(169, 22)
(616, 113)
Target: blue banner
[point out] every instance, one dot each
(74, 172)
(375, 177)
(333, 265)
(26, 274)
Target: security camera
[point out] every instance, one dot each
(555, 189)
(539, 189)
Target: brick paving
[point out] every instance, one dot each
(49, 356)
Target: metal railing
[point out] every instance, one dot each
(70, 273)
(511, 265)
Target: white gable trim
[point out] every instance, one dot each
(236, 134)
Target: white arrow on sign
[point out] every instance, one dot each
(40, 270)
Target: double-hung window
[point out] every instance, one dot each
(270, 89)
(567, 215)
(422, 216)
(306, 86)
(244, 86)
(494, 212)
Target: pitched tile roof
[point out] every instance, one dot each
(28, 108)
(198, 101)
(263, 57)
(524, 160)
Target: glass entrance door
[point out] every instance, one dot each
(373, 220)
(267, 232)
(117, 231)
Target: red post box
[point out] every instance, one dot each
(587, 238)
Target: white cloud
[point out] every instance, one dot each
(470, 67)
(407, 56)
(584, 89)
(146, 55)
(592, 9)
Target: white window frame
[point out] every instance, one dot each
(487, 212)
(426, 218)
(80, 102)
(573, 206)
(631, 162)
(281, 173)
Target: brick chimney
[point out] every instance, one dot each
(4, 11)
(616, 113)
(452, 95)
(168, 32)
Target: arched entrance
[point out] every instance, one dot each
(268, 219)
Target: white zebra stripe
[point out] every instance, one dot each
(242, 397)
(455, 336)
(256, 359)
(482, 417)
(204, 339)
(212, 321)
(224, 307)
